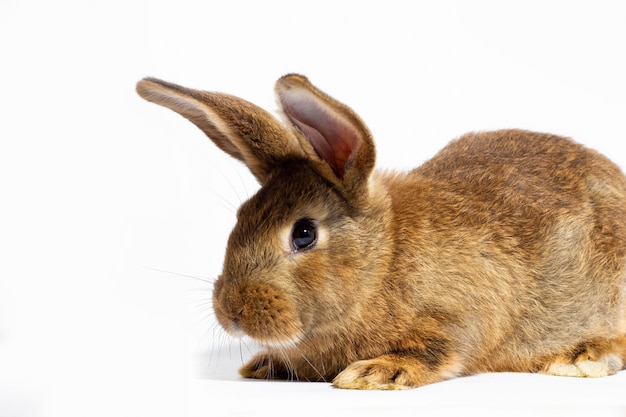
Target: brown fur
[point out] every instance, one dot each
(505, 252)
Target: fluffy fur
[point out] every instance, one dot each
(505, 252)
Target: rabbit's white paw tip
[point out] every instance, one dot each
(606, 366)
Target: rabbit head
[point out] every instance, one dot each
(283, 275)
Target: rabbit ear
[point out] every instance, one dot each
(238, 127)
(332, 130)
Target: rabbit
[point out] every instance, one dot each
(505, 252)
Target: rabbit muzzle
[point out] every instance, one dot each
(259, 310)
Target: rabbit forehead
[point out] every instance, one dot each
(294, 191)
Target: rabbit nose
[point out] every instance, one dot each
(235, 320)
(230, 303)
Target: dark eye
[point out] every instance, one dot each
(304, 235)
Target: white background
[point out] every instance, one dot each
(109, 205)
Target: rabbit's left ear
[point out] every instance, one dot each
(330, 131)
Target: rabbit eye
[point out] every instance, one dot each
(304, 235)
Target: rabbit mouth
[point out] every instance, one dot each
(279, 343)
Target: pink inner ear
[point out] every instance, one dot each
(334, 139)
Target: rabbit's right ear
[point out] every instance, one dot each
(238, 127)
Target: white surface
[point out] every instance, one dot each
(100, 191)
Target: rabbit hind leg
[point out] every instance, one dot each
(593, 359)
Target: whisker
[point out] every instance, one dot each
(308, 361)
(232, 186)
(204, 303)
(243, 184)
(246, 346)
(322, 377)
(202, 289)
(199, 278)
(225, 203)
(291, 370)
(213, 327)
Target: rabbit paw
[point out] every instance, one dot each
(384, 373)
(605, 366)
(281, 365)
(264, 366)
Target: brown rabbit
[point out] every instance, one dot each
(505, 252)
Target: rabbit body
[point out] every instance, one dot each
(504, 252)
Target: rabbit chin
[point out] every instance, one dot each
(281, 344)
(278, 340)
(274, 343)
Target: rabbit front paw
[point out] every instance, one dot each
(388, 372)
(282, 366)
(265, 366)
